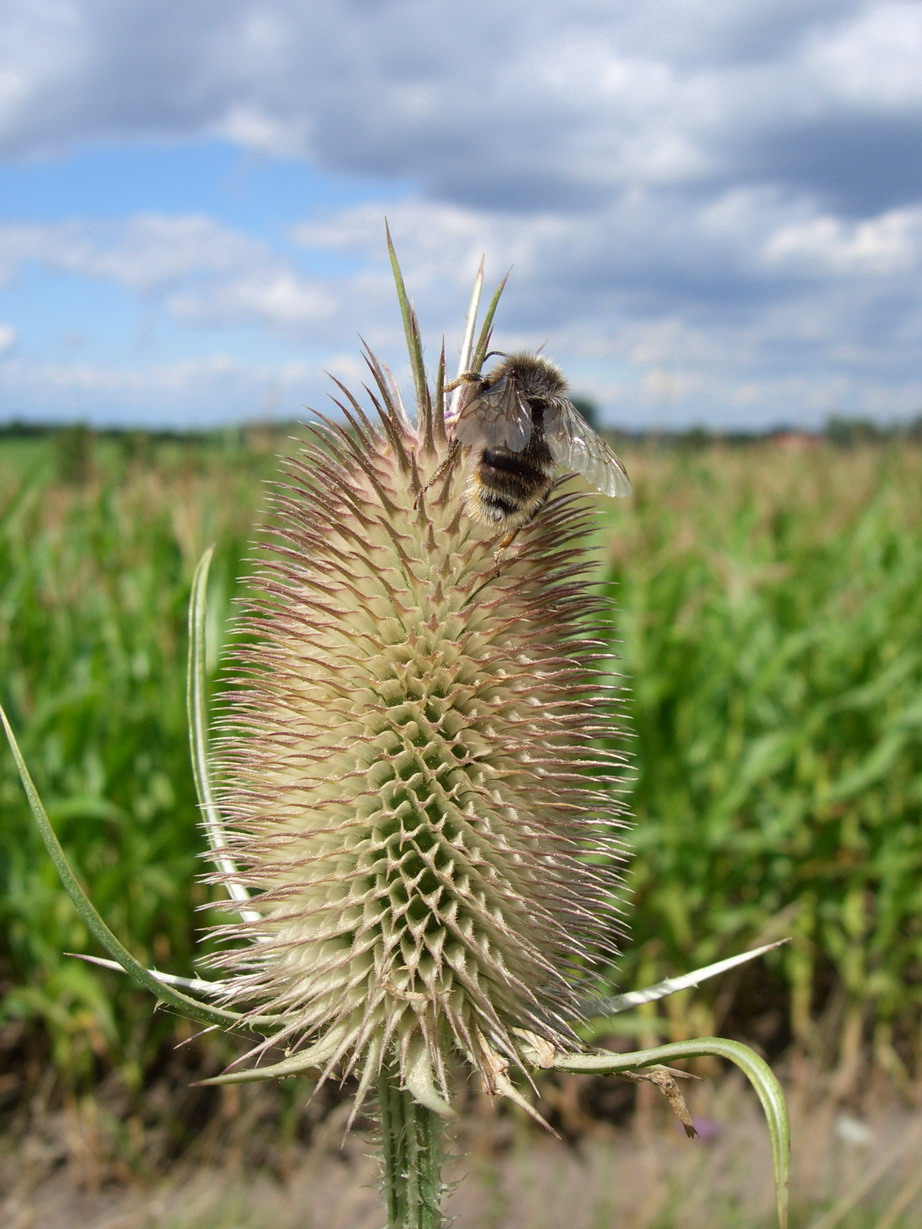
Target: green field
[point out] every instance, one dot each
(770, 625)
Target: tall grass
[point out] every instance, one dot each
(770, 614)
(95, 569)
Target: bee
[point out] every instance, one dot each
(517, 424)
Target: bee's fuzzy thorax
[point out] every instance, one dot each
(538, 376)
(411, 770)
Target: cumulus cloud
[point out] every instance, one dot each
(888, 244)
(143, 253)
(699, 195)
(515, 106)
(273, 296)
(849, 62)
(200, 270)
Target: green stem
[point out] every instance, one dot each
(411, 1145)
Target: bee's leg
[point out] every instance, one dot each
(499, 553)
(466, 377)
(508, 539)
(511, 535)
(453, 449)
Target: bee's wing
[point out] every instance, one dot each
(574, 443)
(495, 416)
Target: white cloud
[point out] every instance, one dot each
(204, 273)
(699, 196)
(253, 128)
(144, 253)
(516, 101)
(889, 244)
(749, 291)
(275, 297)
(874, 61)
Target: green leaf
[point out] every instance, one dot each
(480, 351)
(198, 732)
(671, 985)
(756, 1070)
(94, 923)
(414, 339)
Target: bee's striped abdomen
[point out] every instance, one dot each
(509, 487)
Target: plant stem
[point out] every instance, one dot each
(411, 1146)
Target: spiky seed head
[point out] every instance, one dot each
(412, 767)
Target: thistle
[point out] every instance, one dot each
(412, 781)
(416, 817)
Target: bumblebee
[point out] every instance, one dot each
(517, 425)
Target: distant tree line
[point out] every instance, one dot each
(17, 429)
(838, 429)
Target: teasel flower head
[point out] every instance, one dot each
(412, 764)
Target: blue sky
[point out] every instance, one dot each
(713, 213)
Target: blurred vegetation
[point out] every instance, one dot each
(770, 615)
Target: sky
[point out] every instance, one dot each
(712, 211)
